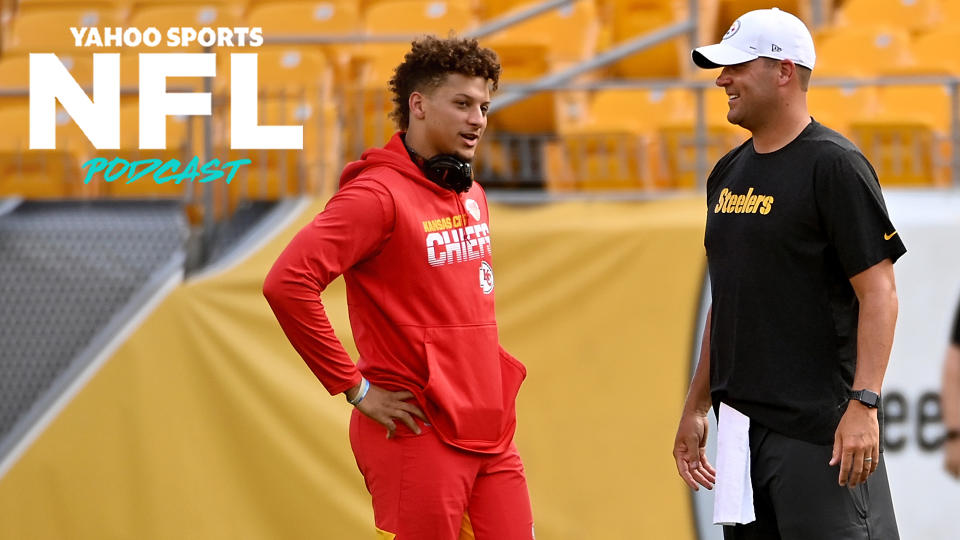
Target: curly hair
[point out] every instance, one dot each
(428, 63)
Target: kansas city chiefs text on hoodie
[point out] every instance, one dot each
(416, 259)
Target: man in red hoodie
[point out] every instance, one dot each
(434, 392)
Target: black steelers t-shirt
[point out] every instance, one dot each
(785, 232)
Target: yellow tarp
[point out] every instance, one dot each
(205, 424)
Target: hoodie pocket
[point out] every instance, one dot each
(472, 385)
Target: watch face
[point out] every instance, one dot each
(868, 398)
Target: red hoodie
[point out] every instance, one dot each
(416, 259)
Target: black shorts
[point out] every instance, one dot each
(796, 495)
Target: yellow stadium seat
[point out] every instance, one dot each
(902, 128)
(367, 100)
(729, 10)
(523, 63)
(129, 108)
(48, 29)
(716, 103)
(130, 74)
(926, 104)
(578, 23)
(611, 160)
(470, 5)
(557, 169)
(495, 8)
(862, 50)
(837, 106)
(271, 175)
(180, 140)
(438, 17)
(522, 162)
(633, 18)
(912, 15)
(230, 4)
(678, 138)
(15, 135)
(650, 135)
(616, 145)
(373, 64)
(32, 6)
(949, 12)
(679, 144)
(275, 174)
(715, 100)
(902, 153)
(194, 15)
(40, 5)
(235, 8)
(7, 10)
(40, 174)
(797, 7)
(287, 68)
(130, 71)
(324, 17)
(638, 110)
(322, 144)
(296, 89)
(909, 133)
(367, 123)
(15, 70)
(329, 18)
(284, 70)
(936, 51)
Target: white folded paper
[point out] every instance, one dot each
(733, 493)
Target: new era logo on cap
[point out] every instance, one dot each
(764, 32)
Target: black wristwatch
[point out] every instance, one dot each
(868, 398)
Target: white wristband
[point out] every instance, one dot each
(364, 388)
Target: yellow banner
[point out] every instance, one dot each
(206, 424)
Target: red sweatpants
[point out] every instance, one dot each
(422, 487)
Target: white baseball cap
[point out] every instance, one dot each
(764, 32)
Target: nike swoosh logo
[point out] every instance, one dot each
(889, 236)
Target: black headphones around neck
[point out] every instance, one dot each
(445, 170)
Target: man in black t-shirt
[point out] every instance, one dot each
(950, 401)
(800, 251)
